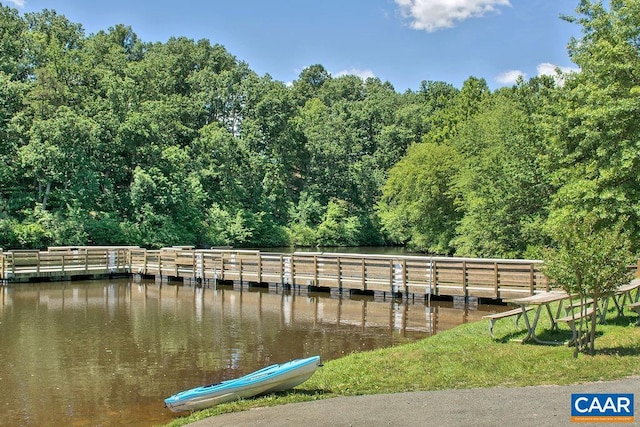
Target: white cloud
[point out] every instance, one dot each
(558, 73)
(363, 74)
(18, 3)
(433, 15)
(510, 77)
(547, 69)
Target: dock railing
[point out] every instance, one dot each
(64, 262)
(487, 278)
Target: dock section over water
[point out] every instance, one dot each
(355, 273)
(61, 263)
(398, 275)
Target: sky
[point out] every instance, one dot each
(403, 42)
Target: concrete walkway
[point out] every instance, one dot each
(523, 406)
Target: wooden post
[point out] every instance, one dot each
(281, 269)
(496, 279)
(293, 271)
(464, 278)
(364, 274)
(404, 276)
(144, 262)
(434, 276)
(531, 279)
(194, 267)
(175, 263)
(315, 270)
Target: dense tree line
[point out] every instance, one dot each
(107, 139)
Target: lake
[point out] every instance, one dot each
(108, 352)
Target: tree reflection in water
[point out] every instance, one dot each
(108, 352)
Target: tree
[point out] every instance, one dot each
(166, 200)
(503, 189)
(593, 156)
(418, 203)
(12, 44)
(309, 82)
(590, 259)
(60, 158)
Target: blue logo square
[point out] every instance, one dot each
(602, 405)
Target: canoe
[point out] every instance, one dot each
(274, 378)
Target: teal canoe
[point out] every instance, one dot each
(274, 378)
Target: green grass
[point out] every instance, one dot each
(464, 357)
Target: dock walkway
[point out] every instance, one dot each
(335, 272)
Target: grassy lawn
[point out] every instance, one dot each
(465, 357)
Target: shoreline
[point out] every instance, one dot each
(459, 359)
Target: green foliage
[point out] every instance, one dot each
(418, 204)
(338, 228)
(594, 156)
(225, 228)
(340, 224)
(590, 260)
(107, 139)
(504, 192)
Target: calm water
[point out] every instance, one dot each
(108, 352)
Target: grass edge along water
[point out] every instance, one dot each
(461, 358)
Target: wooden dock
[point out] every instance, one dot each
(354, 273)
(63, 263)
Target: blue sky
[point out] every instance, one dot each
(400, 41)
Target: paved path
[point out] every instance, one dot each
(522, 406)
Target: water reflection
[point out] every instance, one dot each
(109, 352)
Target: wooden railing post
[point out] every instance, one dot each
(496, 279)
(404, 276)
(464, 278)
(144, 265)
(175, 263)
(434, 275)
(315, 270)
